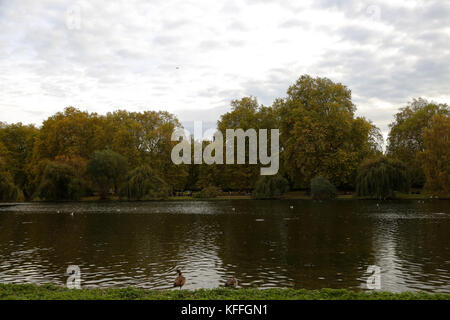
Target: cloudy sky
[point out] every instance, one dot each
(193, 57)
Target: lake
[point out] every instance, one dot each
(285, 244)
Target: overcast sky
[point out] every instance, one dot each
(193, 57)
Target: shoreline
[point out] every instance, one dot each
(286, 197)
(54, 292)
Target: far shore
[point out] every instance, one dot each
(296, 195)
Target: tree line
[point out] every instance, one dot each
(75, 154)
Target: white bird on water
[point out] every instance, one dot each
(233, 209)
(292, 207)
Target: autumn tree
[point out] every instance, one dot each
(245, 114)
(406, 142)
(436, 155)
(18, 140)
(70, 134)
(144, 138)
(8, 189)
(320, 135)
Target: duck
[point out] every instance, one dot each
(180, 280)
(231, 283)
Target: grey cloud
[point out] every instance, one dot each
(142, 41)
(165, 40)
(294, 23)
(357, 33)
(237, 25)
(208, 45)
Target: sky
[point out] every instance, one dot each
(192, 58)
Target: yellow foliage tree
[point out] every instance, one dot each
(436, 156)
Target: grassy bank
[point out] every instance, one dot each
(52, 292)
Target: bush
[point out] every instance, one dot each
(381, 177)
(59, 182)
(322, 189)
(144, 184)
(208, 192)
(270, 187)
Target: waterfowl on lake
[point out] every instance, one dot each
(231, 283)
(180, 280)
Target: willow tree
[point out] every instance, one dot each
(8, 190)
(59, 182)
(144, 184)
(107, 169)
(381, 177)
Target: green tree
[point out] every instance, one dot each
(107, 169)
(320, 135)
(144, 184)
(208, 192)
(322, 189)
(436, 155)
(270, 187)
(245, 114)
(405, 140)
(59, 182)
(381, 177)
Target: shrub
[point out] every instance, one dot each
(381, 177)
(270, 187)
(322, 189)
(208, 192)
(144, 184)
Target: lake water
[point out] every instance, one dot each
(295, 244)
